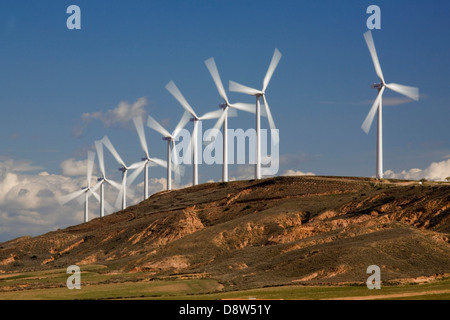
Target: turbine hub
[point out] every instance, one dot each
(223, 105)
(122, 169)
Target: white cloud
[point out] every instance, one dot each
(120, 115)
(7, 164)
(73, 168)
(437, 171)
(297, 173)
(29, 202)
(243, 172)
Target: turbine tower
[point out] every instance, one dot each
(86, 191)
(147, 161)
(171, 146)
(236, 87)
(122, 198)
(173, 89)
(410, 92)
(211, 65)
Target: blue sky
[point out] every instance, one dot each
(127, 51)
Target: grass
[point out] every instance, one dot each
(95, 284)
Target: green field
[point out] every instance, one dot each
(97, 284)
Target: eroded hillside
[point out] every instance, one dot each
(257, 233)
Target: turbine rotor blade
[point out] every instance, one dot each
(159, 162)
(410, 92)
(135, 174)
(370, 116)
(96, 187)
(134, 165)
(373, 53)
(244, 107)
(173, 89)
(71, 196)
(211, 65)
(82, 199)
(101, 159)
(107, 143)
(270, 119)
(118, 203)
(273, 65)
(237, 87)
(211, 115)
(90, 167)
(108, 207)
(216, 128)
(114, 184)
(183, 121)
(152, 123)
(138, 123)
(95, 194)
(231, 112)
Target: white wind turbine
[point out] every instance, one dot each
(86, 191)
(101, 181)
(173, 89)
(147, 161)
(409, 92)
(236, 87)
(211, 65)
(124, 169)
(171, 146)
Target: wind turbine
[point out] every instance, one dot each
(211, 65)
(410, 92)
(86, 191)
(101, 181)
(124, 169)
(236, 87)
(171, 139)
(173, 89)
(147, 161)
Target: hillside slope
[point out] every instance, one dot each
(246, 234)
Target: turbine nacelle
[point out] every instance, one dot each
(122, 169)
(377, 86)
(100, 179)
(223, 105)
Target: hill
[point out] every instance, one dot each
(251, 234)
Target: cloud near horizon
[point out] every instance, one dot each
(437, 171)
(29, 201)
(297, 173)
